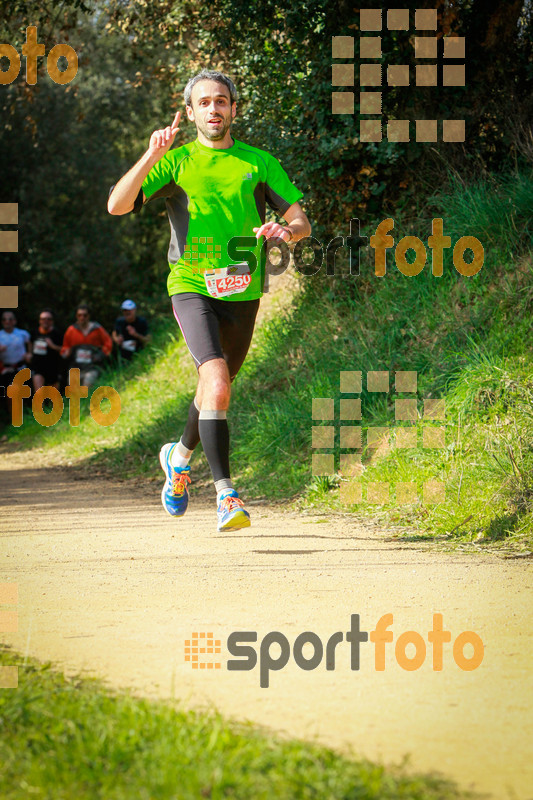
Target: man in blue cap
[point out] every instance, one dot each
(131, 332)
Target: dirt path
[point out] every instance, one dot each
(109, 584)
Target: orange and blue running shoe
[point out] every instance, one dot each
(174, 495)
(231, 514)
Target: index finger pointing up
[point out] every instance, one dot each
(176, 121)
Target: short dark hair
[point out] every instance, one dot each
(83, 307)
(210, 75)
(47, 311)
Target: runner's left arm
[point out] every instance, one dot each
(298, 226)
(283, 198)
(297, 222)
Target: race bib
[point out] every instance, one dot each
(228, 280)
(129, 344)
(40, 348)
(84, 356)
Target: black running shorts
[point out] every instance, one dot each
(214, 328)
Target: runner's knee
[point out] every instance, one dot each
(216, 393)
(214, 388)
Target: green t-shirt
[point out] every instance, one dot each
(212, 196)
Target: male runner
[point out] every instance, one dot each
(15, 351)
(15, 346)
(46, 361)
(215, 189)
(131, 331)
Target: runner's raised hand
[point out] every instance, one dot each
(161, 141)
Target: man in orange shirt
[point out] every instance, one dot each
(85, 343)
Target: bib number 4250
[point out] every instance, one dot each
(228, 280)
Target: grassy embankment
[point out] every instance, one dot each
(468, 339)
(65, 738)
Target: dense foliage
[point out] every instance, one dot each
(64, 146)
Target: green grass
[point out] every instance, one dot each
(65, 738)
(469, 340)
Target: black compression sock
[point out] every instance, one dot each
(191, 436)
(214, 435)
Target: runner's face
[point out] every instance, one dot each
(46, 321)
(8, 321)
(82, 317)
(211, 109)
(129, 314)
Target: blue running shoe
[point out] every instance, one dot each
(174, 495)
(231, 514)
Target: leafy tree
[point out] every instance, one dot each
(67, 145)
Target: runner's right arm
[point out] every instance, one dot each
(125, 192)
